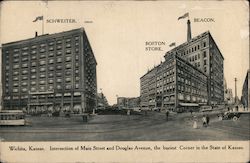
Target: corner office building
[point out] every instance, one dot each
(177, 85)
(191, 75)
(50, 72)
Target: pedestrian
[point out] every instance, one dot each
(195, 126)
(167, 113)
(204, 121)
(207, 119)
(191, 111)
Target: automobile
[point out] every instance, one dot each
(230, 115)
(156, 109)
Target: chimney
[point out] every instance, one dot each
(36, 34)
(188, 31)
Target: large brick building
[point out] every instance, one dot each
(52, 71)
(191, 75)
(202, 52)
(177, 86)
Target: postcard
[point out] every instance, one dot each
(124, 81)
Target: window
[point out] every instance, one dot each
(24, 59)
(59, 53)
(51, 43)
(42, 75)
(59, 74)
(25, 65)
(69, 65)
(33, 70)
(42, 82)
(68, 51)
(33, 57)
(15, 78)
(68, 79)
(205, 62)
(59, 47)
(42, 62)
(42, 69)
(51, 54)
(59, 67)
(51, 68)
(42, 56)
(68, 45)
(15, 66)
(51, 61)
(77, 57)
(33, 89)
(42, 50)
(68, 59)
(24, 72)
(51, 48)
(204, 44)
(204, 54)
(51, 74)
(59, 60)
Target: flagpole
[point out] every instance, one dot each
(42, 26)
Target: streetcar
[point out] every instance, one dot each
(12, 118)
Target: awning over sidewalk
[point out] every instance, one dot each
(189, 104)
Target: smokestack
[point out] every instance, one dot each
(36, 34)
(188, 31)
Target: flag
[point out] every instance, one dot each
(184, 16)
(38, 18)
(172, 44)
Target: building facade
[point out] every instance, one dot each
(203, 53)
(246, 91)
(178, 86)
(50, 72)
(191, 75)
(128, 102)
(102, 101)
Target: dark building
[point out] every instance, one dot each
(246, 91)
(178, 86)
(50, 72)
(203, 53)
(191, 75)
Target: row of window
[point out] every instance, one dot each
(43, 88)
(193, 49)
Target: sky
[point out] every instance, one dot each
(118, 31)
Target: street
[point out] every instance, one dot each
(150, 127)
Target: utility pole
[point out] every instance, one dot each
(235, 80)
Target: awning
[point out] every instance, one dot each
(39, 104)
(189, 104)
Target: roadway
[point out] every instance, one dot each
(150, 127)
